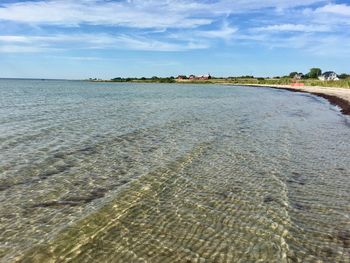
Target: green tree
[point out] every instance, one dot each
(314, 73)
(292, 74)
(344, 76)
(118, 79)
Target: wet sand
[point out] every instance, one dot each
(336, 96)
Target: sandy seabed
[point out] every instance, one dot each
(336, 96)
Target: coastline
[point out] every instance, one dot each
(336, 96)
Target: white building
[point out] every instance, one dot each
(329, 75)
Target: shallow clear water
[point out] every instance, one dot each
(107, 172)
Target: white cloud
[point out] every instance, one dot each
(137, 14)
(22, 49)
(340, 9)
(134, 13)
(89, 41)
(155, 45)
(335, 15)
(77, 58)
(13, 39)
(169, 25)
(225, 32)
(294, 28)
(312, 44)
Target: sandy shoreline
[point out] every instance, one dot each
(336, 96)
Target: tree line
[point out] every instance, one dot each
(144, 79)
(314, 73)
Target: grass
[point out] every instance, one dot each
(309, 82)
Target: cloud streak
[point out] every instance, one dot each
(134, 13)
(22, 43)
(293, 28)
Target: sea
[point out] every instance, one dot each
(130, 172)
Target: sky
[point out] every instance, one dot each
(78, 39)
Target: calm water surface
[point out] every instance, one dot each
(103, 172)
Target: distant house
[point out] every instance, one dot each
(205, 77)
(181, 77)
(298, 76)
(329, 75)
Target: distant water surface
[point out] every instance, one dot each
(108, 172)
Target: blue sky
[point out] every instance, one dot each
(105, 38)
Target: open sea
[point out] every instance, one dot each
(122, 172)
